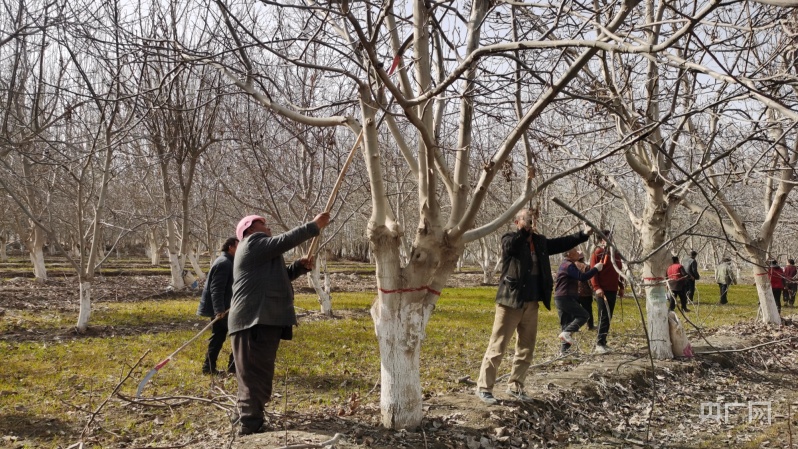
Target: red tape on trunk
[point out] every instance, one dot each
(411, 290)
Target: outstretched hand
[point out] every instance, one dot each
(322, 220)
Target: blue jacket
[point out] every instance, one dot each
(218, 289)
(568, 276)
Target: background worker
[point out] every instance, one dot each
(262, 310)
(776, 275)
(724, 276)
(566, 294)
(585, 298)
(526, 281)
(691, 267)
(677, 277)
(215, 302)
(790, 272)
(606, 285)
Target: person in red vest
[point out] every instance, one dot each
(776, 275)
(677, 278)
(605, 285)
(789, 283)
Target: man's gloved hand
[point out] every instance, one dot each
(599, 266)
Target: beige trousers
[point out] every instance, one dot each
(524, 322)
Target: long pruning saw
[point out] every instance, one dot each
(171, 356)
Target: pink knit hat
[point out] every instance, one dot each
(245, 223)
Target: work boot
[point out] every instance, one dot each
(487, 397)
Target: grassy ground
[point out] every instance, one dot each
(47, 387)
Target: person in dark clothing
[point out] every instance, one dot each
(691, 267)
(262, 310)
(677, 276)
(215, 302)
(776, 275)
(526, 281)
(790, 271)
(566, 293)
(606, 285)
(585, 291)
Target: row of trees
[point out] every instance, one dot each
(669, 121)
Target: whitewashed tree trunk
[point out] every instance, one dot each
(192, 258)
(653, 231)
(322, 288)
(485, 264)
(767, 302)
(36, 252)
(85, 306)
(173, 251)
(154, 248)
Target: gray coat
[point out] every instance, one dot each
(691, 266)
(262, 290)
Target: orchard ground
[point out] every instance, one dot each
(53, 382)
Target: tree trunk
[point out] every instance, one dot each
(85, 306)
(767, 302)
(322, 290)
(36, 250)
(3, 243)
(192, 257)
(175, 267)
(405, 301)
(654, 269)
(154, 248)
(487, 266)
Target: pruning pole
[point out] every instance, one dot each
(314, 244)
(171, 356)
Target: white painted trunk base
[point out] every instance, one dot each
(767, 303)
(37, 259)
(176, 272)
(85, 306)
(192, 258)
(400, 336)
(658, 327)
(322, 288)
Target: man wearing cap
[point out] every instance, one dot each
(691, 266)
(262, 310)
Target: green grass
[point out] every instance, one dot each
(47, 387)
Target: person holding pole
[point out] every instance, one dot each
(262, 310)
(605, 284)
(526, 281)
(215, 302)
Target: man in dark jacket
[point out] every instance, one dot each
(215, 301)
(677, 276)
(585, 291)
(526, 280)
(691, 267)
(262, 311)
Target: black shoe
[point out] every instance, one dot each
(685, 309)
(246, 430)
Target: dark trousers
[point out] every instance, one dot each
(682, 298)
(587, 303)
(789, 295)
(215, 342)
(689, 288)
(572, 315)
(777, 297)
(724, 290)
(604, 315)
(255, 351)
